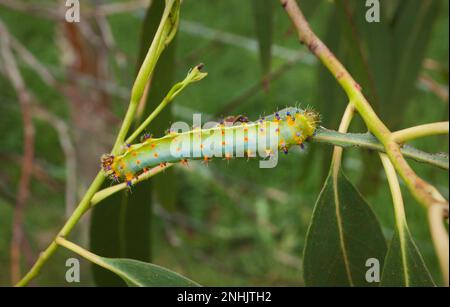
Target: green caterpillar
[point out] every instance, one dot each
(279, 131)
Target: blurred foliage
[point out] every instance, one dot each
(234, 224)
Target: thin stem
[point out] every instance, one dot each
(424, 193)
(440, 238)
(105, 193)
(343, 127)
(368, 141)
(412, 133)
(100, 261)
(80, 251)
(67, 228)
(399, 209)
(394, 185)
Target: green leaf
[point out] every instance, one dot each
(404, 266)
(141, 274)
(343, 235)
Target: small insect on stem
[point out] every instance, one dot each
(231, 120)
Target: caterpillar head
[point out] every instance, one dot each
(312, 116)
(107, 161)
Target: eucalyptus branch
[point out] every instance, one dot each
(165, 33)
(424, 193)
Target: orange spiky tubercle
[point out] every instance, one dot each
(294, 127)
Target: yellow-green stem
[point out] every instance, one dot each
(87, 255)
(81, 251)
(343, 127)
(412, 133)
(105, 193)
(399, 210)
(67, 228)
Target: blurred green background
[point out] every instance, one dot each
(230, 223)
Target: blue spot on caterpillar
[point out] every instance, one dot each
(279, 131)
